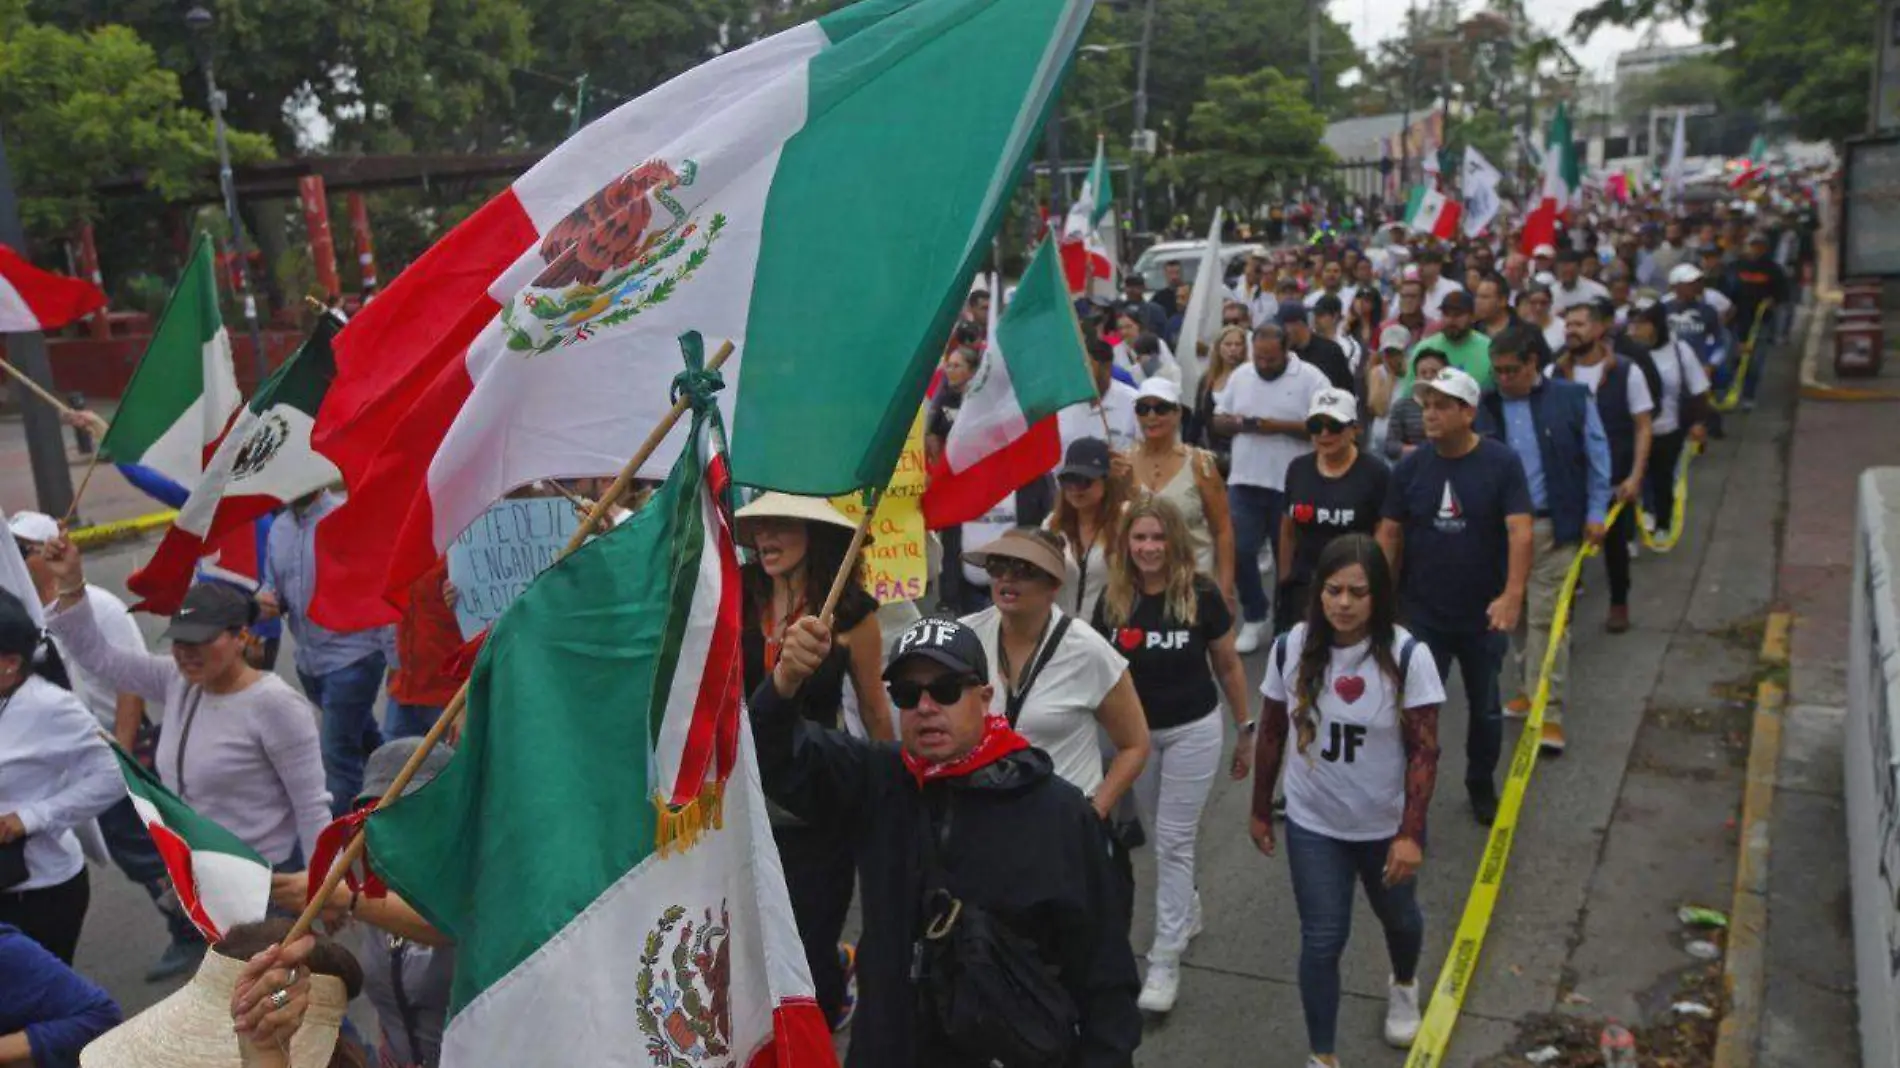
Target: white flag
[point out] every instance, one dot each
(1480, 188)
(1202, 319)
(1672, 173)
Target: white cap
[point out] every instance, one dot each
(1543, 252)
(1545, 279)
(1683, 273)
(1159, 388)
(33, 526)
(1334, 404)
(1452, 383)
(1395, 337)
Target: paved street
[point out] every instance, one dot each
(1635, 821)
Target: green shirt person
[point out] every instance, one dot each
(1469, 350)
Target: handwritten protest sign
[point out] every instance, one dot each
(895, 568)
(502, 552)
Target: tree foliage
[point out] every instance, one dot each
(82, 107)
(1251, 133)
(1697, 80)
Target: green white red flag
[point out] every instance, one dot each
(1429, 211)
(1562, 186)
(612, 879)
(1005, 433)
(1088, 231)
(35, 300)
(535, 340)
(220, 881)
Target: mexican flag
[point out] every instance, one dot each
(34, 300)
(1562, 186)
(1005, 432)
(262, 462)
(220, 881)
(812, 198)
(611, 879)
(184, 391)
(1429, 211)
(1087, 259)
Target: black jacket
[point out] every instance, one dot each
(1021, 842)
(1325, 354)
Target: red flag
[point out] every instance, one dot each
(34, 300)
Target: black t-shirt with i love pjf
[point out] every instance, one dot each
(1168, 660)
(1323, 508)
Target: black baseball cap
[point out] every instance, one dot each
(943, 641)
(208, 610)
(1087, 457)
(1457, 300)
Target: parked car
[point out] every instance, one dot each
(1188, 254)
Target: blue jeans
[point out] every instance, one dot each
(347, 697)
(129, 844)
(1480, 655)
(1256, 514)
(408, 721)
(1757, 362)
(1323, 870)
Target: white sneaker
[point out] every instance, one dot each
(1401, 1015)
(1248, 641)
(1158, 991)
(1315, 1062)
(1196, 921)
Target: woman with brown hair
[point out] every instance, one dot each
(1087, 508)
(1187, 478)
(1360, 697)
(1176, 631)
(1230, 350)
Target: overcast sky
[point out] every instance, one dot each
(1375, 20)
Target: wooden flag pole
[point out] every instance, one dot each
(847, 569)
(38, 390)
(459, 703)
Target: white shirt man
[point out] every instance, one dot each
(1262, 459)
(1084, 420)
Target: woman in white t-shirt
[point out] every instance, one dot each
(1057, 679)
(1359, 696)
(1680, 412)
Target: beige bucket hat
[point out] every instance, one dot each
(777, 505)
(192, 1028)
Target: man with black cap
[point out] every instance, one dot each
(964, 835)
(1759, 285)
(1309, 346)
(1469, 350)
(1152, 317)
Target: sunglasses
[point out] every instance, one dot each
(1008, 568)
(1078, 482)
(1155, 408)
(947, 690)
(1325, 426)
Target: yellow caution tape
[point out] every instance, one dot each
(1679, 514)
(1727, 401)
(1454, 979)
(102, 533)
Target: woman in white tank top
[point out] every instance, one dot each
(1185, 477)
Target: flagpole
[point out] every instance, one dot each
(38, 390)
(453, 713)
(849, 568)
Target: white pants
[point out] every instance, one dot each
(1172, 791)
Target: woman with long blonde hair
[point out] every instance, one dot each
(1359, 697)
(1173, 626)
(1230, 349)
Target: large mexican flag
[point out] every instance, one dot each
(184, 392)
(599, 846)
(262, 462)
(820, 198)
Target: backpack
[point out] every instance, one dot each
(985, 987)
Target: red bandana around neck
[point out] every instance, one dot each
(999, 740)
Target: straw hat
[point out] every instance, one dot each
(1019, 545)
(192, 1028)
(786, 506)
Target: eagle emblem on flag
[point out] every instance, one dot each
(623, 250)
(685, 1010)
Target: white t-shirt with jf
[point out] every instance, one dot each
(1350, 782)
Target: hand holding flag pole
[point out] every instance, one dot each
(66, 413)
(353, 853)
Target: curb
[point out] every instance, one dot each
(1812, 388)
(1744, 974)
(106, 533)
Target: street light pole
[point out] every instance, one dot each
(1136, 191)
(198, 20)
(46, 450)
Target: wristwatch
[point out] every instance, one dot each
(1249, 726)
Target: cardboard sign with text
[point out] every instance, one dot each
(502, 552)
(895, 567)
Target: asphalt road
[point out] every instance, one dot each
(1632, 823)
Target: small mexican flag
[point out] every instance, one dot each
(184, 392)
(1432, 212)
(1005, 434)
(220, 881)
(1087, 259)
(263, 461)
(599, 846)
(32, 299)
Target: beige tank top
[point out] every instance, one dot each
(1184, 492)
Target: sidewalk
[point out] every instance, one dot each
(1809, 1015)
(109, 499)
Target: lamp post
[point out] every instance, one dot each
(1140, 144)
(199, 21)
(46, 450)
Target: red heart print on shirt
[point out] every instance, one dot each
(1129, 637)
(1302, 513)
(1349, 687)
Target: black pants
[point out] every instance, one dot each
(820, 875)
(1616, 556)
(51, 915)
(1659, 482)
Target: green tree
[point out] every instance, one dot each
(1251, 133)
(1198, 41)
(79, 108)
(1698, 80)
